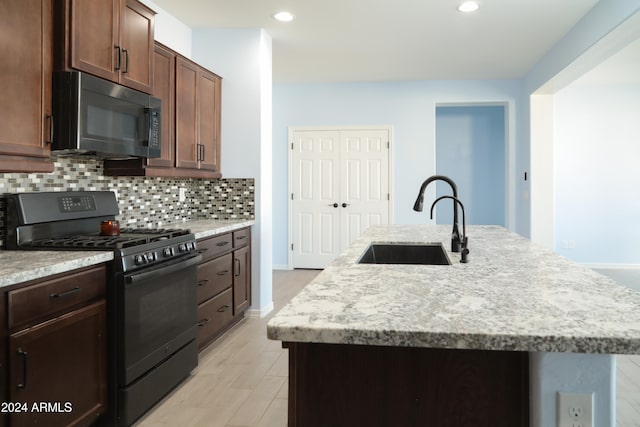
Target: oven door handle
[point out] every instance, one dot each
(162, 271)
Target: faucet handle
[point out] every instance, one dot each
(464, 253)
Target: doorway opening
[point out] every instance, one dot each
(471, 150)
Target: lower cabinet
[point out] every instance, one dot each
(224, 283)
(57, 367)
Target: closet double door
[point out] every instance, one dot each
(339, 187)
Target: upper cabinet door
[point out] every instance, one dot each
(136, 37)
(25, 84)
(187, 149)
(209, 120)
(112, 39)
(94, 37)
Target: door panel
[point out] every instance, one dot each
(315, 190)
(340, 186)
(365, 186)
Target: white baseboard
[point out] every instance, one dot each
(605, 266)
(259, 313)
(281, 267)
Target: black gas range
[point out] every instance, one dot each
(151, 295)
(71, 221)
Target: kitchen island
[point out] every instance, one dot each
(443, 343)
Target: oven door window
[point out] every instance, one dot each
(159, 315)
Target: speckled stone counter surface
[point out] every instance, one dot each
(211, 227)
(512, 295)
(22, 266)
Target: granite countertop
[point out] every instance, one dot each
(23, 266)
(512, 295)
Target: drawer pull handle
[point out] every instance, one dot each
(222, 273)
(204, 322)
(203, 282)
(202, 250)
(65, 293)
(25, 358)
(222, 244)
(224, 308)
(241, 237)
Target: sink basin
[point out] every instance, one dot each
(389, 253)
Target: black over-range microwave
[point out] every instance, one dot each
(96, 117)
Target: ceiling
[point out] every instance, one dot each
(378, 40)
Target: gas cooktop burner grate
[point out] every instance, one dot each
(128, 237)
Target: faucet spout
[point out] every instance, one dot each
(417, 206)
(464, 252)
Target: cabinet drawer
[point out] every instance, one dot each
(52, 297)
(214, 277)
(214, 315)
(212, 247)
(241, 237)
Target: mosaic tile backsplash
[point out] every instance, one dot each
(143, 201)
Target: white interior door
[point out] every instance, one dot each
(364, 182)
(315, 190)
(339, 187)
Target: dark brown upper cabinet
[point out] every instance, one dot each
(197, 118)
(25, 84)
(112, 39)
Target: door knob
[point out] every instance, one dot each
(344, 205)
(335, 205)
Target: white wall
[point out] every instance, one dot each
(410, 107)
(597, 135)
(170, 31)
(606, 28)
(242, 57)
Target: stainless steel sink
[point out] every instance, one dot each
(390, 253)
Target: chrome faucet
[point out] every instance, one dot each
(417, 206)
(462, 240)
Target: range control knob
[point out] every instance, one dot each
(140, 259)
(182, 247)
(167, 252)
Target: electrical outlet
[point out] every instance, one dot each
(574, 409)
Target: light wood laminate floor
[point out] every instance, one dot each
(241, 379)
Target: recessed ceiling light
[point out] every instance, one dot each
(284, 16)
(468, 6)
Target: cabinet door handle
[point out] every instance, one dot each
(201, 152)
(49, 117)
(126, 61)
(204, 322)
(119, 60)
(222, 273)
(238, 265)
(203, 282)
(65, 293)
(224, 308)
(25, 359)
(241, 237)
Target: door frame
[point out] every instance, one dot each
(290, 132)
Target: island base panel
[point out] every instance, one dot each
(353, 385)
